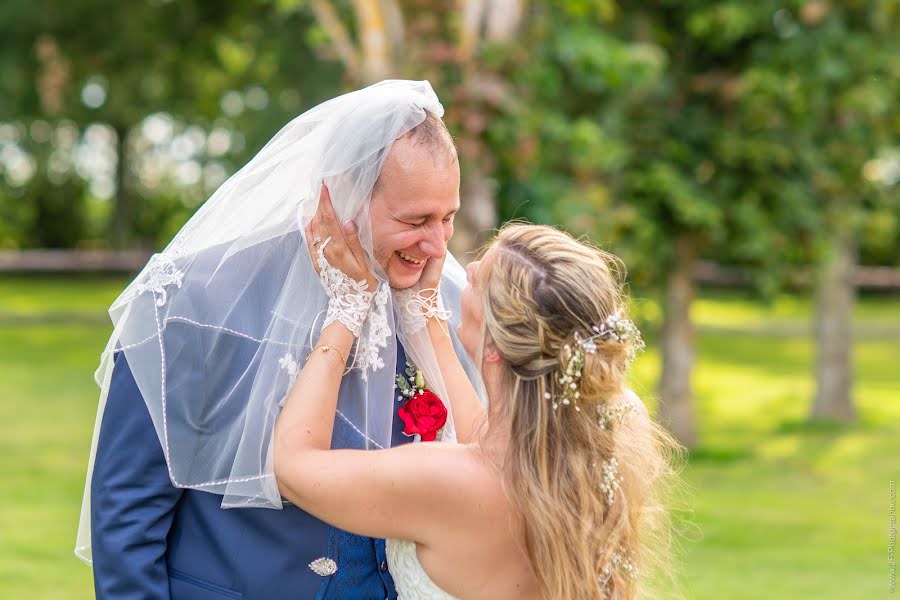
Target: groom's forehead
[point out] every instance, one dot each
(410, 158)
(415, 186)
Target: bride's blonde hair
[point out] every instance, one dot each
(544, 289)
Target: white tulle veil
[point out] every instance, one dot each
(216, 327)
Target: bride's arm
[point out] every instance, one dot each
(411, 492)
(307, 423)
(465, 405)
(416, 491)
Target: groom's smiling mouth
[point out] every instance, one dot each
(409, 259)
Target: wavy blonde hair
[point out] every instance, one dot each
(545, 287)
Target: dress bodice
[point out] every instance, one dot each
(411, 580)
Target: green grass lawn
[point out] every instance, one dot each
(773, 508)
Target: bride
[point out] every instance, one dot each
(553, 491)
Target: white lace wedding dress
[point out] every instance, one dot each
(410, 579)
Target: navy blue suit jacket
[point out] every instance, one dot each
(153, 540)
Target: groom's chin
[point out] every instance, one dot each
(402, 281)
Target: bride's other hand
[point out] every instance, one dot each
(344, 250)
(431, 274)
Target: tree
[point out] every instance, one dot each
(608, 137)
(826, 84)
(646, 126)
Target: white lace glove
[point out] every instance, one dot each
(417, 306)
(349, 301)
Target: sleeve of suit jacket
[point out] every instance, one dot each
(132, 498)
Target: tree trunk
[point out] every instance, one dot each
(395, 27)
(677, 342)
(374, 40)
(834, 332)
(120, 224)
(477, 217)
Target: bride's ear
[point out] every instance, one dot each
(491, 355)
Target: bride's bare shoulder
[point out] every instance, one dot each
(462, 492)
(467, 459)
(454, 472)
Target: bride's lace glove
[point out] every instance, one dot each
(423, 301)
(416, 306)
(342, 267)
(349, 301)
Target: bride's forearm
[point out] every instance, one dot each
(307, 424)
(464, 403)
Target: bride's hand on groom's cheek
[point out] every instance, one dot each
(431, 273)
(344, 250)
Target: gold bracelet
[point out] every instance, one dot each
(326, 348)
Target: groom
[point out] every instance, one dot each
(153, 540)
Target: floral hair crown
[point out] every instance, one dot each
(615, 328)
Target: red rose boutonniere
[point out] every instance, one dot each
(423, 412)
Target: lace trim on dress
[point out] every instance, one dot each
(410, 579)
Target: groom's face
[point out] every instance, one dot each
(412, 210)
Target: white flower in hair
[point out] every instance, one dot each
(615, 328)
(611, 479)
(618, 329)
(622, 561)
(571, 377)
(614, 414)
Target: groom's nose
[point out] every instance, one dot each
(434, 244)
